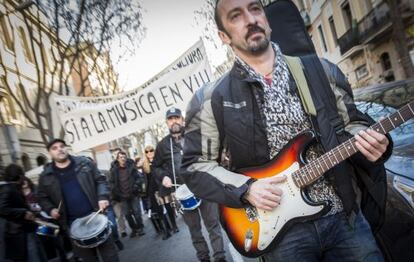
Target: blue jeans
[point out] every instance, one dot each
(111, 217)
(329, 238)
(35, 249)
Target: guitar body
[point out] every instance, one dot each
(254, 231)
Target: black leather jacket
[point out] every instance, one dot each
(92, 181)
(162, 163)
(136, 179)
(13, 206)
(225, 116)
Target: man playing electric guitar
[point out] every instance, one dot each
(249, 115)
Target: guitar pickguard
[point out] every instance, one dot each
(292, 206)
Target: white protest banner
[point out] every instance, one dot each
(91, 121)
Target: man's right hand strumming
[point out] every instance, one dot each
(55, 213)
(264, 193)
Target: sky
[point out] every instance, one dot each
(171, 30)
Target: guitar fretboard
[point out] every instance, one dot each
(315, 169)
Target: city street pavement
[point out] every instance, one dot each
(178, 248)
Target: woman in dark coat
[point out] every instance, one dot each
(158, 217)
(20, 239)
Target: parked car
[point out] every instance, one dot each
(396, 238)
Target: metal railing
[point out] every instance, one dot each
(350, 39)
(374, 21)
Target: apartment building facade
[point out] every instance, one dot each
(27, 46)
(30, 66)
(357, 36)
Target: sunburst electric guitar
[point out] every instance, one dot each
(254, 231)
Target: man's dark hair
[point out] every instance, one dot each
(13, 173)
(30, 183)
(120, 153)
(217, 18)
(54, 141)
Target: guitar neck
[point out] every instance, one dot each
(315, 169)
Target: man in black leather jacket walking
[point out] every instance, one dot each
(125, 182)
(72, 187)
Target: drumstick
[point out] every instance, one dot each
(39, 222)
(60, 205)
(175, 184)
(44, 223)
(93, 216)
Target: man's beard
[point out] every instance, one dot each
(61, 160)
(260, 46)
(176, 129)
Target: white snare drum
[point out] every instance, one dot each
(47, 229)
(187, 199)
(92, 234)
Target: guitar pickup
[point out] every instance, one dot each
(251, 213)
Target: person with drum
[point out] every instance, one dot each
(166, 166)
(21, 241)
(70, 189)
(126, 183)
(49, 237)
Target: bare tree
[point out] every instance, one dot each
(81, 34)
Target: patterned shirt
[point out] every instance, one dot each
(285, 118)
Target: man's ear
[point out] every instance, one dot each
(225, 38)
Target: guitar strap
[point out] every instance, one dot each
(295, 67)
(297, 70)
(307, 70)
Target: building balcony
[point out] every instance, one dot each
(350, 39)
(371, 27)
(374, 23)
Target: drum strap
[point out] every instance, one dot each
(172, 163)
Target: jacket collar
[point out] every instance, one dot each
(240, 68)
(129, 164)
(48, 169)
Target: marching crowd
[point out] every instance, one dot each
(245, 119)
(64, 211)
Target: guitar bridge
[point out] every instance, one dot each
(251, 213)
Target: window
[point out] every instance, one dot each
(322, 38)
(41, 160)
(346, 13)
(5, 112)
(44, 57)
(5, 34)
(6, 104)
(333, 30)
(385, 61)
(361, 72)
(26, 162)
(25, 44)
(21, 93)
(388, 74)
